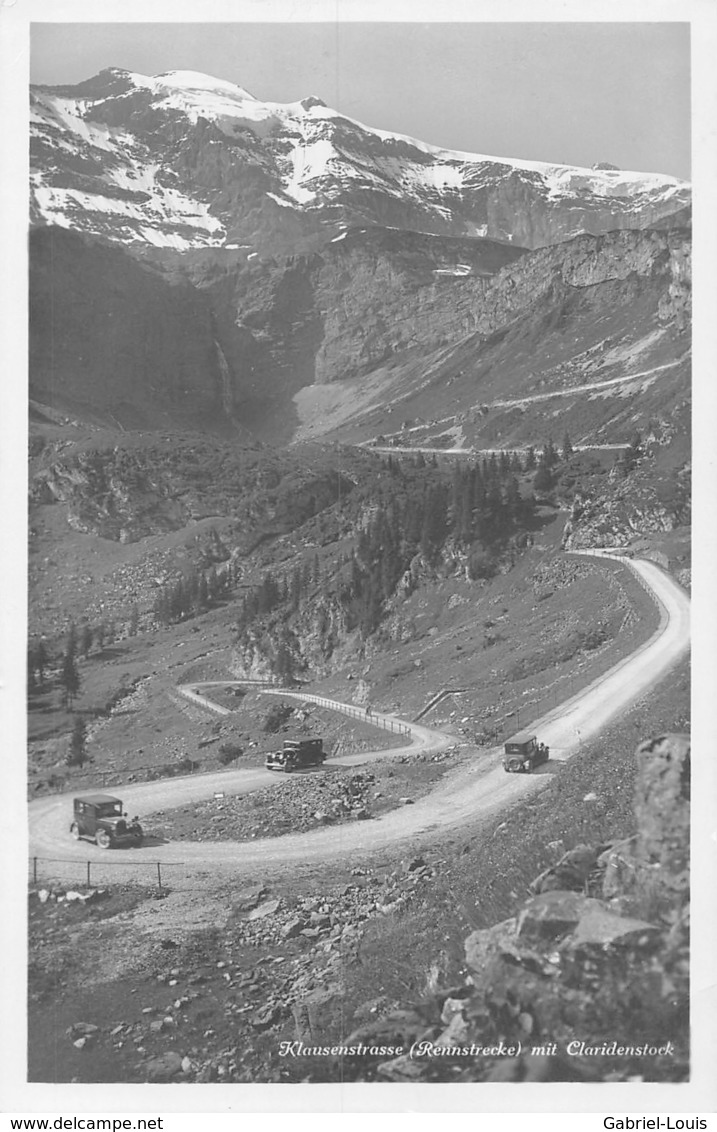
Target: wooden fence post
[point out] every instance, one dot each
(159, 876)
(89, 866)
(34, 870)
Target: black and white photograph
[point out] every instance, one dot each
(354, 673)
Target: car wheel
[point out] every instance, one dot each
(75, 831)
(103, 839)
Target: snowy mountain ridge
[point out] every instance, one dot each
(182, 160)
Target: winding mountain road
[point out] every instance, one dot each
(478, 789)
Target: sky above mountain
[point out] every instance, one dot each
(573, 93)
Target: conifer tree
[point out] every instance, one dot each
(85, 640)
(100, 634)
(76, 756)
(40, 660)
(543, 480)
(71, 643)
(69, 679)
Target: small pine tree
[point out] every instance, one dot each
(85, 640)
(69, 679)
(567, 448)
(550, 455)
(543, 480)
(284, 665)
(41, 660)
(530, 459)
(76, 756)
(201, 599)
(100, 635)
(71, 644)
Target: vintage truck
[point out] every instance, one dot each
(296, 754)
(101, 818)
(523, 752)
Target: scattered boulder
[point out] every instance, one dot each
(618, 864)
(551, 915)
(81, 1030)
(415, 863)
(266, 909)
(265, 1016)
(570, 873)
(164, 1068)
(248, 898)
(598, 925)
(292, 928)
(317, 1012)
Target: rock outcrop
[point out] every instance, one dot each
(589, 979)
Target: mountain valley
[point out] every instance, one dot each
(321, 407)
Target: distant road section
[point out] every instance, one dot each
(477, 790)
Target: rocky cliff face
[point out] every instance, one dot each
(652, 500)
(383, 310)
(111, 341)
(205, 339)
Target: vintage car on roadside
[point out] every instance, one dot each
(297, 754)
(101, 818)
(523, 752)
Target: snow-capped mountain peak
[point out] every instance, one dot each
(183, 159)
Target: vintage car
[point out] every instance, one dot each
(523, 752)
(101, 818)
(296, 754)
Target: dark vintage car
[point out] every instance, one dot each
(101, 818)
(296, 754)
(522, 752)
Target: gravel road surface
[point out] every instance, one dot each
(477, 790)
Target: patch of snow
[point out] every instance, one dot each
(160, 238)
(308, 162)
(66, 111)
(166, 209)
(279, 200)
(197, 81)
(461, 269)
